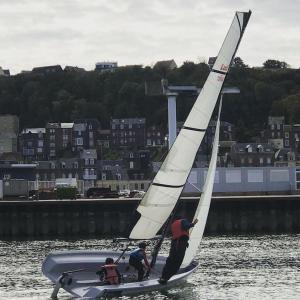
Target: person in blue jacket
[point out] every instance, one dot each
(136, 257)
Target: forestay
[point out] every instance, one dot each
(201, 213)
(162, 195)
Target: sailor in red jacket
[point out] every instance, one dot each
(109, 273)
(180, 237)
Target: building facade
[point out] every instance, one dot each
(251, 155)
(128, 132)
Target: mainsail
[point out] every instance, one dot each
(161, 197)
(201, 213)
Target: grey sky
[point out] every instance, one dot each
(82, 32)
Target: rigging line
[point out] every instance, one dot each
(194, 186)
(121, 255)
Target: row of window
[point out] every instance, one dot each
(122, 134)
(286, 135)
(124, 126)
(261, 160)
(125, 141)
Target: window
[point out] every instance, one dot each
(29, 144)
(40, 143)
(268, 160)
(248, 148)
(52, 152)
(103, 176)
(113, 126)
(91, 135)
(75, 164)
(250, 160)
(79, 141)
(149, 142)
(90, 126)
(242, 161)
(129, 125)
(122, 126)
(39, 150)
(65, 137)
(131, 165)
(52, 131)
(52, 145)
(92, 161)
(286, 143)
(131, 155)
(261, 160)
(286, 135)
(272, 126)
(63, 165)
(28, 152)
(52, 137)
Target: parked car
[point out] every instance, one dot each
(101, 192)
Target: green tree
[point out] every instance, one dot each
(275, 64)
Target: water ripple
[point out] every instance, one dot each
(231, 267)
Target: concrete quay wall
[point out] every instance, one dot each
(111, 217)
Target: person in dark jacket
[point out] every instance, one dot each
(109, 273)
(136, 257)
(180, 237)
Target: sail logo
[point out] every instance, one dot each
(221, 78)
(224, 68)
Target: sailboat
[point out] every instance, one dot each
(75, 271)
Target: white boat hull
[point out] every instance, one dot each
(81, 280)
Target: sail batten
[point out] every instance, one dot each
(179, 161)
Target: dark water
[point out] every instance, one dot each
(250, 267)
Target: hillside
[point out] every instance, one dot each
(65, 96)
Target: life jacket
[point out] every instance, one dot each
(138, 254)
(177, 231)
(111, 275)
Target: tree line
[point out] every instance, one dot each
(273, 89)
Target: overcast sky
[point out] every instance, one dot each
(82, 32)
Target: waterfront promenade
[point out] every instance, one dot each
(111, 217)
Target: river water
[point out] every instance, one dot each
(231, 267)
